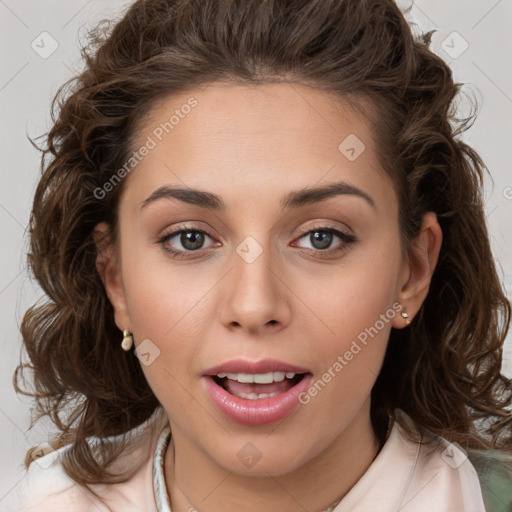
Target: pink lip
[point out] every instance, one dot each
(263, 366)
(256, 412)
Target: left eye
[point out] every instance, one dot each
(322, 239)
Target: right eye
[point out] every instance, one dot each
(183, 241)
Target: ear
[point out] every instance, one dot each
(109, 269)
(419, 267)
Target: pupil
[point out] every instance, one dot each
(192, 240)
(321, 239)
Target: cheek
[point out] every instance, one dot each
(167, 305)
(161, 294)
(351, 297)
(353, 305)
(168, 311)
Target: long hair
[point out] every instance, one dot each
(443, 371)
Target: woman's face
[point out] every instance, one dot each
(294, 267)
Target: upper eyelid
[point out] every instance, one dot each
(323, 227)
(176, 230)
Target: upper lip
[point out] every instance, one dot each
(255, 367)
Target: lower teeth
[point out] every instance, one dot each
(254, 396)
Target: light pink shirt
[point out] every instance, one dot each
(405, 477)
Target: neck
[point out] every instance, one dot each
(195, 481)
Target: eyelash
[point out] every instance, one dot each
(346, 238)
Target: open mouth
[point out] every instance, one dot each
(256, 393)
(259, 385)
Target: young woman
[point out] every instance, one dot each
(269, 278)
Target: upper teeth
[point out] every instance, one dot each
(257, 378)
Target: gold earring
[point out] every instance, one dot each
(405, 315)
(127, 342)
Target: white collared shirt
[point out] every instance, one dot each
(404, 477)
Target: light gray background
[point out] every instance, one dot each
(28, 82)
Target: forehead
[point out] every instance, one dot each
(269, 112)
(263, 136)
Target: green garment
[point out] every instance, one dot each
(495, 473)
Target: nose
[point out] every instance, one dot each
(255, 298)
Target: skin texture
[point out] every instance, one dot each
(252, 146)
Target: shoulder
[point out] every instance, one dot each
(442, 471)
(447, 469)
(46, 487)
(483, 476)
(416, 472)
(495, 473)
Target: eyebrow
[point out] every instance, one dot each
(294, 199)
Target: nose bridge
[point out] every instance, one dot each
(253, 262)
(256, 297)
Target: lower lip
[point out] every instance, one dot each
(257, 412)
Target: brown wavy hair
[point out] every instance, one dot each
(443, 371)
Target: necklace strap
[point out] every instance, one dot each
(333, 506)
(159, 488)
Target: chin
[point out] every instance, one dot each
(259, 457)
